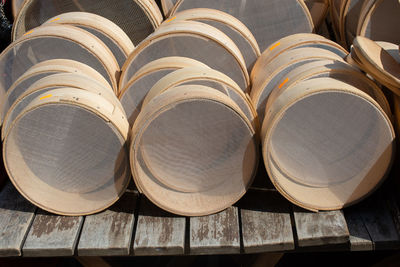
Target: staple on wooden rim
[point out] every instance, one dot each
(228, 24)
(43, 69)
(70, 80)
(80, 168)
(107, 31)
(190, 39)
(358, 144)
(269, 75)
(225, 134)
(134, 92)
(137, 18)
(295, 41)
(206, 77)
(56, 42)
(267, 20)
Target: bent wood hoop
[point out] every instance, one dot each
(108, 32)
(190, 39)
(200, 194)
(66, 152)
(137, 18)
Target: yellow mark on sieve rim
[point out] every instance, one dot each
(46, 96)
(54, 19)
(171, 19)
(283, 83)
(275, 46)
(28, 32)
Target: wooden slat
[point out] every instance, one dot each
(322, 228)
(359, 237)
(52, 235)
(109, 233)
(379, 223)
(16, 215)
(158, 232)
(215, 234)
(266, 224)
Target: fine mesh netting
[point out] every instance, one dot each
(193, 46)
(23, 55)
(44, 84)
(127, 14)
(267, 20)
(193, 155)
(59, 155)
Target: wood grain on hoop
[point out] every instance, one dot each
(267, 20)
(137, 18)
(207, 77)
(229, 25)
(59, 171)
(190, 39)
(167, 6)
(214, 192)
(43, 69)
(364, 174)
(56, 42)
(107, 31)
(295, 41)
(377, 62)
(50, 82)
(16, 7)
(379, 21)
(270, 74)
(133, 93)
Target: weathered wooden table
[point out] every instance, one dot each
(263, 221)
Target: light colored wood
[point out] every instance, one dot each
(359, 236)
(337, 194)
(52, 235)
(318, 11)
(291, 42)
(110, 232)
(323, 228)
(16, 7)
(207, 41)
(60, 191)
(71, 80)
(229, 25)
(216, 234)
(16, 215)
(167, 6)
(158, 232)
(207, 77)
(43, 69)
(137, 18)
(377, 62)
(377, 24)
(108, 32)
(266, 224)
(265, 19)
(216, 191)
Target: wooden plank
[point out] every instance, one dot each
(109, 233)
(16, 215)
(322, 228)
(52, 235)
(359, 237)
(266, 224)
(158, 232)
(215, 234)
(379, 223)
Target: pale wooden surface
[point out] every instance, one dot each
(322, 228)
(109, 233)
(52, 235)
(158, 232)
(16, 215)
(266, 224)
(215, 234)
